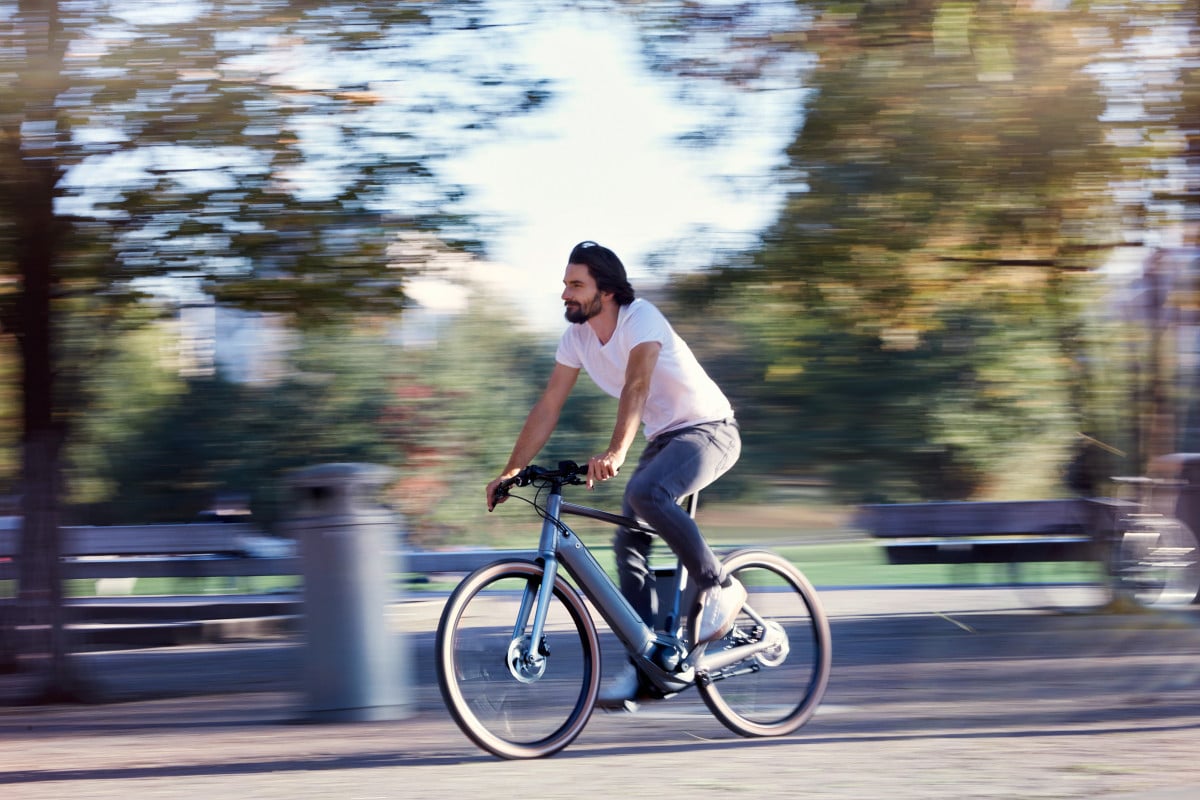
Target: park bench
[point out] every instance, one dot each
(206, 550)
(114, 554)
(1002, 532)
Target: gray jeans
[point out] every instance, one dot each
(672, 466)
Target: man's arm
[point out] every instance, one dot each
(642, 360)
(538, 427)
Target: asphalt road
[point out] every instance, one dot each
(935, 694)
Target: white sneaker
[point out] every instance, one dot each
(621, 690)
(719, 607)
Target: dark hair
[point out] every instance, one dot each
(606, 270)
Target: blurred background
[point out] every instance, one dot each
(932, 250)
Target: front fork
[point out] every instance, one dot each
(527, 652)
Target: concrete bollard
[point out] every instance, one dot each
(355, 667)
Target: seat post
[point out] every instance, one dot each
(691, 503)
(670, 619)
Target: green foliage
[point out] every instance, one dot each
(212, 155)
(913, 325)
(133, 383)
(910, 328)
(240, 152)
(157, 448)
(461, 402)
(227, 156)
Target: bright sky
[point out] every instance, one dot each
(600, 161)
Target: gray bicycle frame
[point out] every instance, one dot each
(559, 544)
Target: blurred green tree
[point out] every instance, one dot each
(155, 447)
(459, 405)
(914, 316)
(239, 145)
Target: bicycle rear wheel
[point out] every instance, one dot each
(776, 691)
(512, 697)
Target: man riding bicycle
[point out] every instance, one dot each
(630, 351)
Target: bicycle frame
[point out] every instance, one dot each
(491, 677)
(559, 544)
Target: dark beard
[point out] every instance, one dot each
(583, 313)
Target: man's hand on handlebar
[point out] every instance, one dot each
(602, 467)
(492, 499)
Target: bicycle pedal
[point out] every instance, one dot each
(629, 707)
(634, 704)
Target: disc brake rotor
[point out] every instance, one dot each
(525, 665)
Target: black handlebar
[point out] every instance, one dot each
(567, 473)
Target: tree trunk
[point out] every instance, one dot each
(39, 240)
(40, 594)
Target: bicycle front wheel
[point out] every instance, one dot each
(777, 690)
(511, 696)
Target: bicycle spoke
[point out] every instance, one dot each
(514, 699)
(778, 688)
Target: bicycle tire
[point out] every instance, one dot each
(1156, 561)
(774, 693)
(508, 708)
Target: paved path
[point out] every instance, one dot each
(935, 694)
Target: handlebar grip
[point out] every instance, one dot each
(501, 490)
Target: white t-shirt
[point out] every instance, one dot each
(681, 393)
